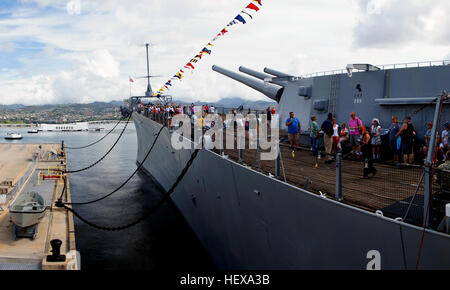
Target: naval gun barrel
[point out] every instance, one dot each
(276, 73)
(253, 73)
(272, 91)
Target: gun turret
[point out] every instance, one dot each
(272, 91)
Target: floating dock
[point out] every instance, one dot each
(36, 168)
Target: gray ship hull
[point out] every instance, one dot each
(247, 220)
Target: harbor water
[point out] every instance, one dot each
(162, 242)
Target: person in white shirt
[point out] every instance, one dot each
(444, 135)
(335, 137)
(376, 138)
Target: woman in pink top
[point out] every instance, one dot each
(355, 125)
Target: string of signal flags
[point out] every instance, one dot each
(242, 18)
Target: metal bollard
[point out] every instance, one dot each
(240, 161)
(258, 154)
(56, 252)
(278, 165)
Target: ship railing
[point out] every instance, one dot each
(415, 64)
(383, 67)
(164, 119)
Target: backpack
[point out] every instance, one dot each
(327, 129)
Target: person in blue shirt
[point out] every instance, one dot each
(315, 134)
(393, 130)
(294, 129)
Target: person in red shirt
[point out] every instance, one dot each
(273, 111)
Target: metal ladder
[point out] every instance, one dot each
(333, 94)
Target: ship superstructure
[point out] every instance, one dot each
(370, 91)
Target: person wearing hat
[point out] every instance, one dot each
(376, 138)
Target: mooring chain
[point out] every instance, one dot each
(146, 215)
(126, 181)
(92, 144)
(104, 156)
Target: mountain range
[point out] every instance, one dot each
(226, 102)
(235, 103)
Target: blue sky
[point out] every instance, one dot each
(50, 52)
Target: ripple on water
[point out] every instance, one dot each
(162, 242)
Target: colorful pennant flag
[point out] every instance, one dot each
(131, 80)
(247, 14)
(238, 19)
(189, 65)
(205, 50)
(252, 6)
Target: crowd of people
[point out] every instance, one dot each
(359, 141)
(366, 142)
(165, 113)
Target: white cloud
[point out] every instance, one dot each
(33, 91)
(93, 76)
(97, 49)
(396, 23)
(7, 47)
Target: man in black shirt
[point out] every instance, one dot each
(407, 133)
(327, 128)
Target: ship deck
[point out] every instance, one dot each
(392, 190)
(395, 191)
(21, 170)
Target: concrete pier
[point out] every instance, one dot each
(35, 168)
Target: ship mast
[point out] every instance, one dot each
(149, 91)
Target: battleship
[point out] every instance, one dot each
(248, 218)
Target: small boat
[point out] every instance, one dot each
(27, 210)
(33, 131)
(13, 136)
